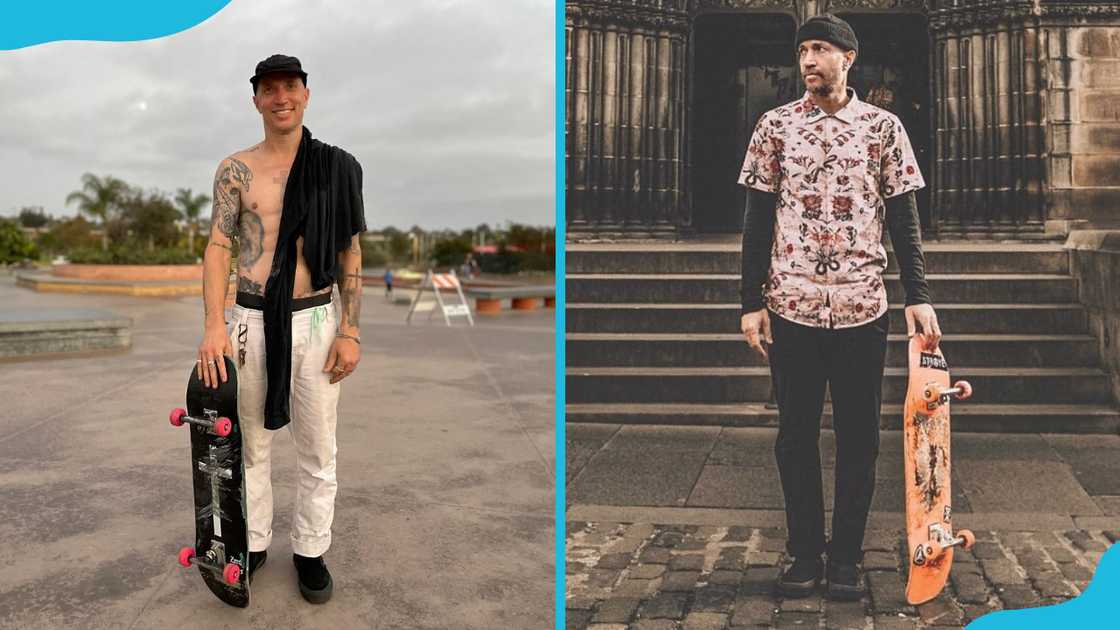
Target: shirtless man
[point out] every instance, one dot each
(248, 199)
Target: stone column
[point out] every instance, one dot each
(626, 122)
(577, 120)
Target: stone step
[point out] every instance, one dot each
(723, 288)
(752, 384)
(966, 417)
(708, 258)
(1060, 318)
(730, 350)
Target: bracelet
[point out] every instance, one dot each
(357, 340)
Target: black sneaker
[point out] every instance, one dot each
(256, 561)
(845, 581)
(800, 579)
(314, 580)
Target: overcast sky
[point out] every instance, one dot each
(448, 105)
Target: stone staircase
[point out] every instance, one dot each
(652, 338)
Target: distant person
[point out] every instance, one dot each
(388, 284)
(289, 260)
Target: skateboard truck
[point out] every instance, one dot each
(934, 397)
(934, 548)
(215, 560)
(218, 426)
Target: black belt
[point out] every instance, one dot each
(256, 302)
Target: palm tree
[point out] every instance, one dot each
(98, 198)
(190, 205)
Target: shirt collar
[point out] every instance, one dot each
(847, 113)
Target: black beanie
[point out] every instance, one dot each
(827, 27)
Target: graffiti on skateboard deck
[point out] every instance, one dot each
(926, 434)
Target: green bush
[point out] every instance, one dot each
(135, 255)
(373, 256)
(451, 252)
(14, 244)
(67, 235)
(506, 261)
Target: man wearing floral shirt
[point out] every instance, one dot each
(824, 174)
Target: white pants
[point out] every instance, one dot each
(314, 416)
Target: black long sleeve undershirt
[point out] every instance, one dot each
(758, 240)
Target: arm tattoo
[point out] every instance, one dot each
(222, 245)
(231, 180)
(350, 295)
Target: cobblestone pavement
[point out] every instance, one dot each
(642, 576)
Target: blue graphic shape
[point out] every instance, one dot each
(1095, 608)
(30, 22)
(561, 305)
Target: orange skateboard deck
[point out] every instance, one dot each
(929, 519)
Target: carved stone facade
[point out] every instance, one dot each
(1021, 116)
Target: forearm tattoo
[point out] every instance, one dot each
(350, 295)
(232, 178)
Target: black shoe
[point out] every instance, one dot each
(256, 561)
(845, 581)
(801, 578)
(314, 580)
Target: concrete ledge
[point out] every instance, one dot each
(129, 273)
(1010, 521)
(53, 332)
(47, 282)
(489, 300)
(1094, 240)
(497, 293)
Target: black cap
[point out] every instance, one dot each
(829, 28)
(278, 63)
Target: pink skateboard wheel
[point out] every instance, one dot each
(177, 416)
(232, 574)
(223, 427)
(966, 389)
(969, 538)
(185, 555)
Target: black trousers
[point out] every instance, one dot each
(803, 359)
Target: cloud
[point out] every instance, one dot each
(449, 105)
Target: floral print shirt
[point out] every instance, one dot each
(832, 174)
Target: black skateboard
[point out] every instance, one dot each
(221, 548)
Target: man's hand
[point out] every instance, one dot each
(923, 316)
(756, 329)
(210, 365)
(343, 358)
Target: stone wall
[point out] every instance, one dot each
(1083, 76)
(1095, 262)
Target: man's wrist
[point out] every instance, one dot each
(355, 337)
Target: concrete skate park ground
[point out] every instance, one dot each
(444, 516)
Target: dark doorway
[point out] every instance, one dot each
(892, 72)
(743, 65)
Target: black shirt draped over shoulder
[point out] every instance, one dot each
(323, 204)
